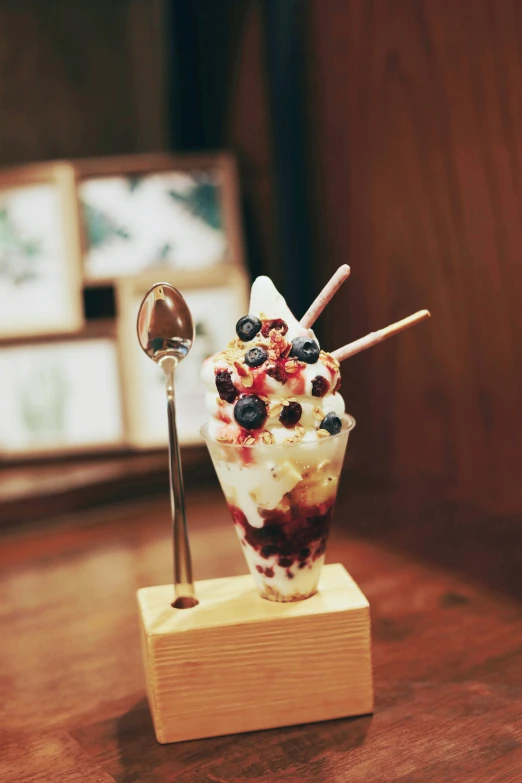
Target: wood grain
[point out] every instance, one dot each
(237, 662)
(447, 655)
(417, 124)
(103, 67)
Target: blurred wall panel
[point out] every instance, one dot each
(82, 78)
(248, 131)
(417, 121)
(222, 88)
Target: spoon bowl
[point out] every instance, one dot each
(165, 325)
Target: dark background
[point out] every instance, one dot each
(382, 134)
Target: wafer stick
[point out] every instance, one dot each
(382, 334)
(318, 305)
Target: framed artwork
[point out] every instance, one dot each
(215, 310)
(40, 260)
(157, 212)
(60, 396)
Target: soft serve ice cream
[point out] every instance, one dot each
(277, 434)
(275, 360)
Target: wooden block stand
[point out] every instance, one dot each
(238, 662)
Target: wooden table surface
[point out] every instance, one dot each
(447, 652)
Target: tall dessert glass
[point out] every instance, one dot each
(282, 499)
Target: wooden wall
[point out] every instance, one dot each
(413, 132)
(82, 78)
(224, 99)
(416, 113)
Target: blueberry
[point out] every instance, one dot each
(305, 349)
(250, 412)
(247, 327)
(255, 356)
(331, 423)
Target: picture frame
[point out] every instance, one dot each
(60, 396)
(215, 310)
(158, 214)
(46, 364)
(40, 252)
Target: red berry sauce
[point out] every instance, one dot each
(296, 537)
(294, 384)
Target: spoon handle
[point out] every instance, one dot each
(185, 596)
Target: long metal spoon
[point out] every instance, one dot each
(166, 334)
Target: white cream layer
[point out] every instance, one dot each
(276, 470)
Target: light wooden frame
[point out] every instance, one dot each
(61, 175)
(128, 290)
(222, 162)
(101, 332)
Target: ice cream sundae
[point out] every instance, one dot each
(277, 435)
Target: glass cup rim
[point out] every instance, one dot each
(348, 425)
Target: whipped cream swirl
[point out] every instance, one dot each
(308, 390)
